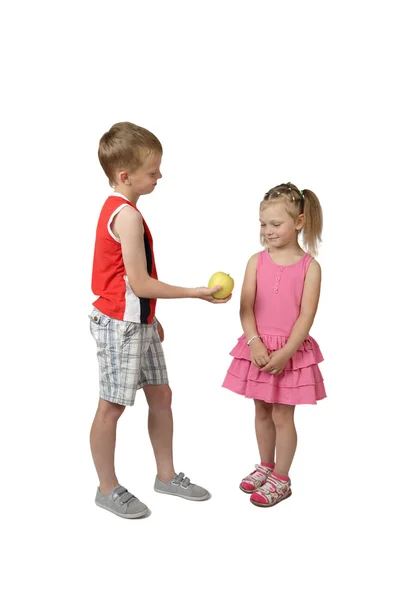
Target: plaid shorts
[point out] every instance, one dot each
(130, 356)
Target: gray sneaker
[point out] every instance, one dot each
(181, 486)
(122, 503)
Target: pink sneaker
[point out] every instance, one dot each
(256, 479)
(273, 491)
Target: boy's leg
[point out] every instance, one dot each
(160, 425)
(119, 351)
(110, 495)
(102, 443)
(160, 430)
(154, 380)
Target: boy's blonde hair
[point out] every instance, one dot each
(297, 203)
(126, 146)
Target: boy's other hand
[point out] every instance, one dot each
(205, 293)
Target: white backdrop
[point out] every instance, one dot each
(243, 96)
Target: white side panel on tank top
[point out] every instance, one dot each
(132, 304)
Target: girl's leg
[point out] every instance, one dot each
(286, 437)
(265, 431)
(102, 443)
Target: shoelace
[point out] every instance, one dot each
(258, 474)
(181, 480)
(123, 495)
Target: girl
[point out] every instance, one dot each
(276, 360)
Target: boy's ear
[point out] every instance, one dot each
(123, 177)
(300, 222)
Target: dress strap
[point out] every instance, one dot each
(307, 260)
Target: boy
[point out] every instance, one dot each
(123, 322)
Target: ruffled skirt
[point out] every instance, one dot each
(300, 382)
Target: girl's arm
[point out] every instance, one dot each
(258, 352)
(247, 299)
(309, 305)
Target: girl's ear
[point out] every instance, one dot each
(300, 222)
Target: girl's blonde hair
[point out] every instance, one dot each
(298, 202)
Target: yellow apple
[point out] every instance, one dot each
(224, 281)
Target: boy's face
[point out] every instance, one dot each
(144, 179)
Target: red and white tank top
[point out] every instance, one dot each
(110, 283)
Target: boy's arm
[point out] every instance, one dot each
(309, 305)
(129, 228)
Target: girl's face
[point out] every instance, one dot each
(277, 227)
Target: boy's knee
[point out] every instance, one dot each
(110, 410)
(161, 399)
(165, 399)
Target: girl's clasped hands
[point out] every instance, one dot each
(273, 362)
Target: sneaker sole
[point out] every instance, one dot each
(135, 516)
(270, 505)
(206, 497)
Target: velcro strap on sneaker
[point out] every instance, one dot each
(119, 490)
(121, 493)
(126, 497)
(182, 480)
(178, 478)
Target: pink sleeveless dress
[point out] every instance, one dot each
(276, 309)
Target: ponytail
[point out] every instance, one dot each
(312, 229)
